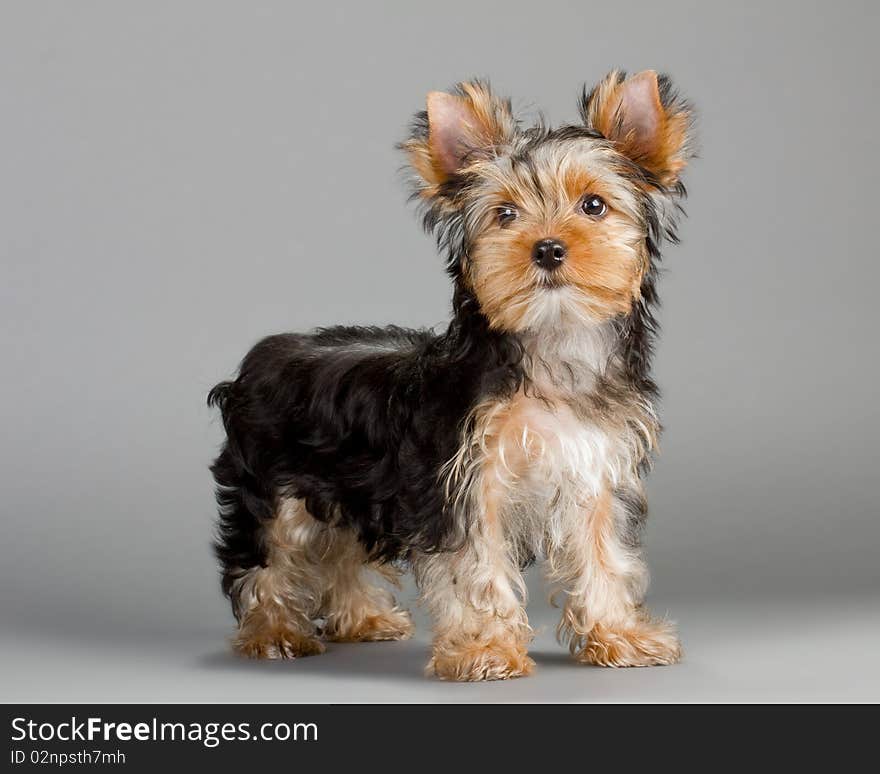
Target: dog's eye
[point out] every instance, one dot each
(506, 214)
(594, 206)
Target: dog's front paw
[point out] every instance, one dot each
(636, 644)
(473, 661)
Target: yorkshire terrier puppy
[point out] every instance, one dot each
(521, 431)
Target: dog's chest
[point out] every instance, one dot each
(545, 447)
(572, 431)
(559, 434)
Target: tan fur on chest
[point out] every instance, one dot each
(536, 460)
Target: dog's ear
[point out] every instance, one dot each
(645, 119)
(456, 130)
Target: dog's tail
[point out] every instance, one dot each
(245, 502)
(222, 397)
(218, 397)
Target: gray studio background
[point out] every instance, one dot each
(178, 179)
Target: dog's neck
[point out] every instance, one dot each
(569, 358)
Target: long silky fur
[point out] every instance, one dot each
(364, 424)
(358, 423)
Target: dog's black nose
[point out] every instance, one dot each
(548, 253)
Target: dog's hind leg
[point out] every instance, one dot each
(353, 609)
(309, 572)
(275, 602)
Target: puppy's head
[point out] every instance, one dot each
(552, 226)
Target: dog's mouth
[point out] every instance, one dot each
(547, 281)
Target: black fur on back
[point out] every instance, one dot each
(357, 422)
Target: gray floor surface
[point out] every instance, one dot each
(776, 649)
